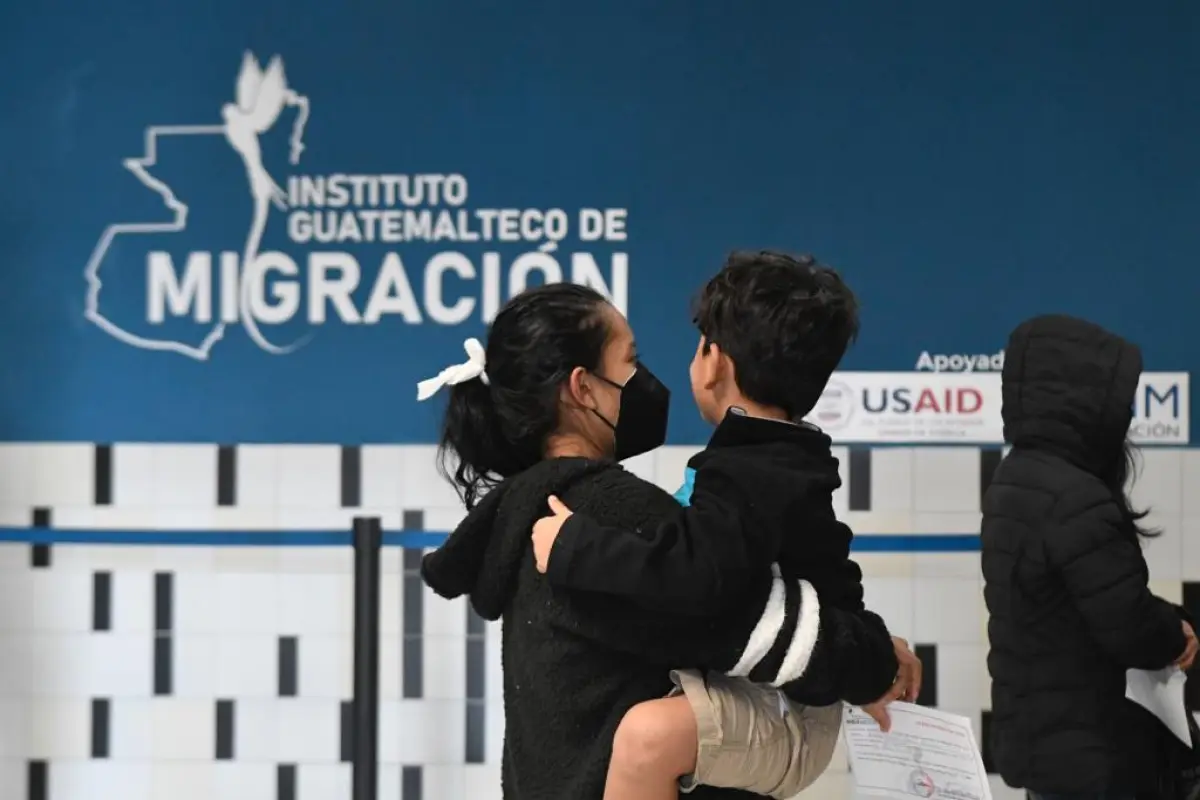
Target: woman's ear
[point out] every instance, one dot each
(575, 391)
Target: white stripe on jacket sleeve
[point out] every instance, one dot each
(766, 631)
(804, 639)
(770, 625)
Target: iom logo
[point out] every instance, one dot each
(1161, 409)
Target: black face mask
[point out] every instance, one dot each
(645, 404)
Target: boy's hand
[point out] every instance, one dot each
(545, 531)
(907, 686)
(1184, 662)
(910, 670)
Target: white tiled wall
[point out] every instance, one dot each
(78, 706)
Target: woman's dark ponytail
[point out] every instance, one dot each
(472, 447)
(497, 427)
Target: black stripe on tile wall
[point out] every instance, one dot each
(163, 611)
(347, 731)
(351, 476)
(860, 479)
(1191, 604)
(227, 475)
(101, 709)
(1191, 690)
(1191, 598)
(985, 747)
(476, 670)
(102, 601)
(989, 459)
(289, 647)
(103, 476)
(411, 783)
(37, 785)
(285, 782)
(39, 554)
(929, 674)
(163, 620)
(162, 664)
(412, 644)
(223, 745)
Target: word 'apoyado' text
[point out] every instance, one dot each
(960, 362)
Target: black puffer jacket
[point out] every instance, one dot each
(1066, 582)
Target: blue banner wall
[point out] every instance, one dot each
(201, 245)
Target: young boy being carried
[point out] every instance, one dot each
(772, 330)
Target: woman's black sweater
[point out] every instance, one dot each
(574, 663)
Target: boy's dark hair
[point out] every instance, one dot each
(497, 429)
(784, 321)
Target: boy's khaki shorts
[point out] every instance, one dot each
(752, 737)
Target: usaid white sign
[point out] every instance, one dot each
(965, 408)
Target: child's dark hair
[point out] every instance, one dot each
(784, 321)
(497, 429)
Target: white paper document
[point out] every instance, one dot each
(927, 753)
(1161, 693)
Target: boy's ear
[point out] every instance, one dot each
(717, 366)
(725, 368)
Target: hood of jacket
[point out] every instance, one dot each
(482, 557)
(1069, 387)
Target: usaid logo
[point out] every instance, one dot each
(923, 400)
(900, 407)
(835, 408)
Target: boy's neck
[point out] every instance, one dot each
(759, 410)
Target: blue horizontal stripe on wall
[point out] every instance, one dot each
(916, 543)
(863, 543)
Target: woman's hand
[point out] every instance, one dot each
(906, 688)
(1184, 662)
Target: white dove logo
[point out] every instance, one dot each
(261, 96)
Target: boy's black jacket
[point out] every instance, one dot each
(763, 494)
(573, 662)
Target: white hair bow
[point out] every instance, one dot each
(469, 370)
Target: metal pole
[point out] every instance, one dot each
(368, 535)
